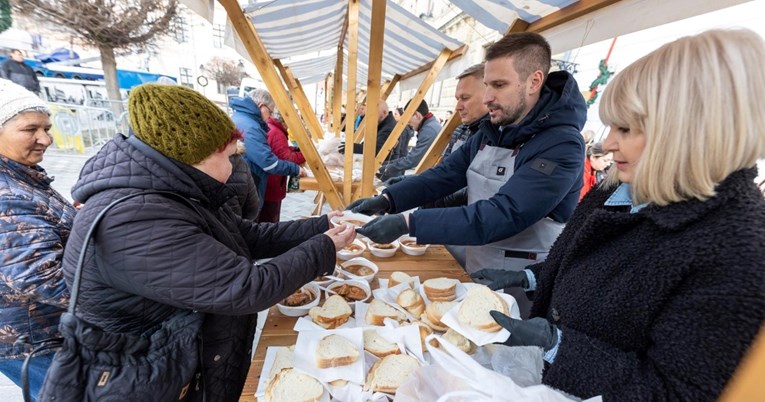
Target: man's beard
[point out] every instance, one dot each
(509, 114)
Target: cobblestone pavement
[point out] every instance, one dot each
(65, 167)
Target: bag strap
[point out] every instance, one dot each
(86, 240)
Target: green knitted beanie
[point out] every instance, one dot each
(178, 121)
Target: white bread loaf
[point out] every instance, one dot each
(289, 385)
(285, 358)
(334, 313)
(474, 311)
(435, 327)
(388, 373)
(436, 310)
(397, 277)
(378, 310)
(335, 350)
(411, 301)
(377, 345)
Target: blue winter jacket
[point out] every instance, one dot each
(35, 221)
(548, 175)
(258, 154)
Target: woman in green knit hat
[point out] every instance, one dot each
(156, 255)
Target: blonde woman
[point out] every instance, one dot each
(656, 288)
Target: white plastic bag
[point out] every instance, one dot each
(456, 376)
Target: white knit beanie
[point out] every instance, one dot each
(15, 99)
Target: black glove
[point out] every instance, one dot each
(393, 180)
(369, 206)
(536, 331)
(500, 278)
(385, 229)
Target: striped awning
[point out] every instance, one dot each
(499, 14)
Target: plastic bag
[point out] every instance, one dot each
(328, 151)
(455, 376)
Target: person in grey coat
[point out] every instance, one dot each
(154, 255)
(427, 127)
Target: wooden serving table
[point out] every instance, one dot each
(277, 331)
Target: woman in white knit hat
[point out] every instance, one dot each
(35, 222)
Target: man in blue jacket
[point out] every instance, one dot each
(523, 169)
(250, 115)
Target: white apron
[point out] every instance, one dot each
(491, 168)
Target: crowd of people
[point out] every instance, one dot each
(636, 261)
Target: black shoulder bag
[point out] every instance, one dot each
(96, 365)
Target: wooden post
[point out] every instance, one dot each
(303, 105)
(259, 55)
(747, 383)
(409, 112)
(376, 40)
(350, 95)
(337, 93)
(439, 144)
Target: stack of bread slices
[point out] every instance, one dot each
(440, 289)
(290, 385)
(388, 373)
(336, 350)
(434, 312)
(397, 277)
(377, 345)
(378, 311)
(334, 313)
(474, 311)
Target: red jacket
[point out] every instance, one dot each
(590, 178)
(276, 189)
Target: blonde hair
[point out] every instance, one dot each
(698, 101)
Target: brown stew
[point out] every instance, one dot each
(350, 293)
(353, 248)
(352, 222)
(359, 270)
(412, 244)
(383, 246)
(299, 298)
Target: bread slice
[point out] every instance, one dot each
(397, 277)
(440, 289)
(290, 385)
(425, 330)
(436, 327)
(474, 311)
(436, 310)
(388, 373)
(456, 339)
(378, 310)
(377, 345)
(285, 358)
(334, 313)
(335, 350)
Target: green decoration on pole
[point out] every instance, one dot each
(5, 15)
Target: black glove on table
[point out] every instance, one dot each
(393, 180)
(369, 206)
(385, 229)
(536, 331)
(500, 278)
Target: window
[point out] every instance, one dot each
(185, 76)
(181, 29)
(218, 32)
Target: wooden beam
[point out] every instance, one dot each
(453, 55)
(518, 25)
(337, 93)
(566, 14)
(259, 55)
(435, 68)
(747, 383)
(439, 144)
(303, 105)
(350, 95)
(374, 74)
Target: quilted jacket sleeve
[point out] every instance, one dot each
(271, 239)
(32, 252)
(164, 255)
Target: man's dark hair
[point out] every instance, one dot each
(422, 108)
(476, 70)
(15, 50)
(530, 52)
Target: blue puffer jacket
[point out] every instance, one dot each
(35, 222)
(548, 175)
(258, 153)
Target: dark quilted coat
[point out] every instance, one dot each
(154, 255)
(660, 305)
